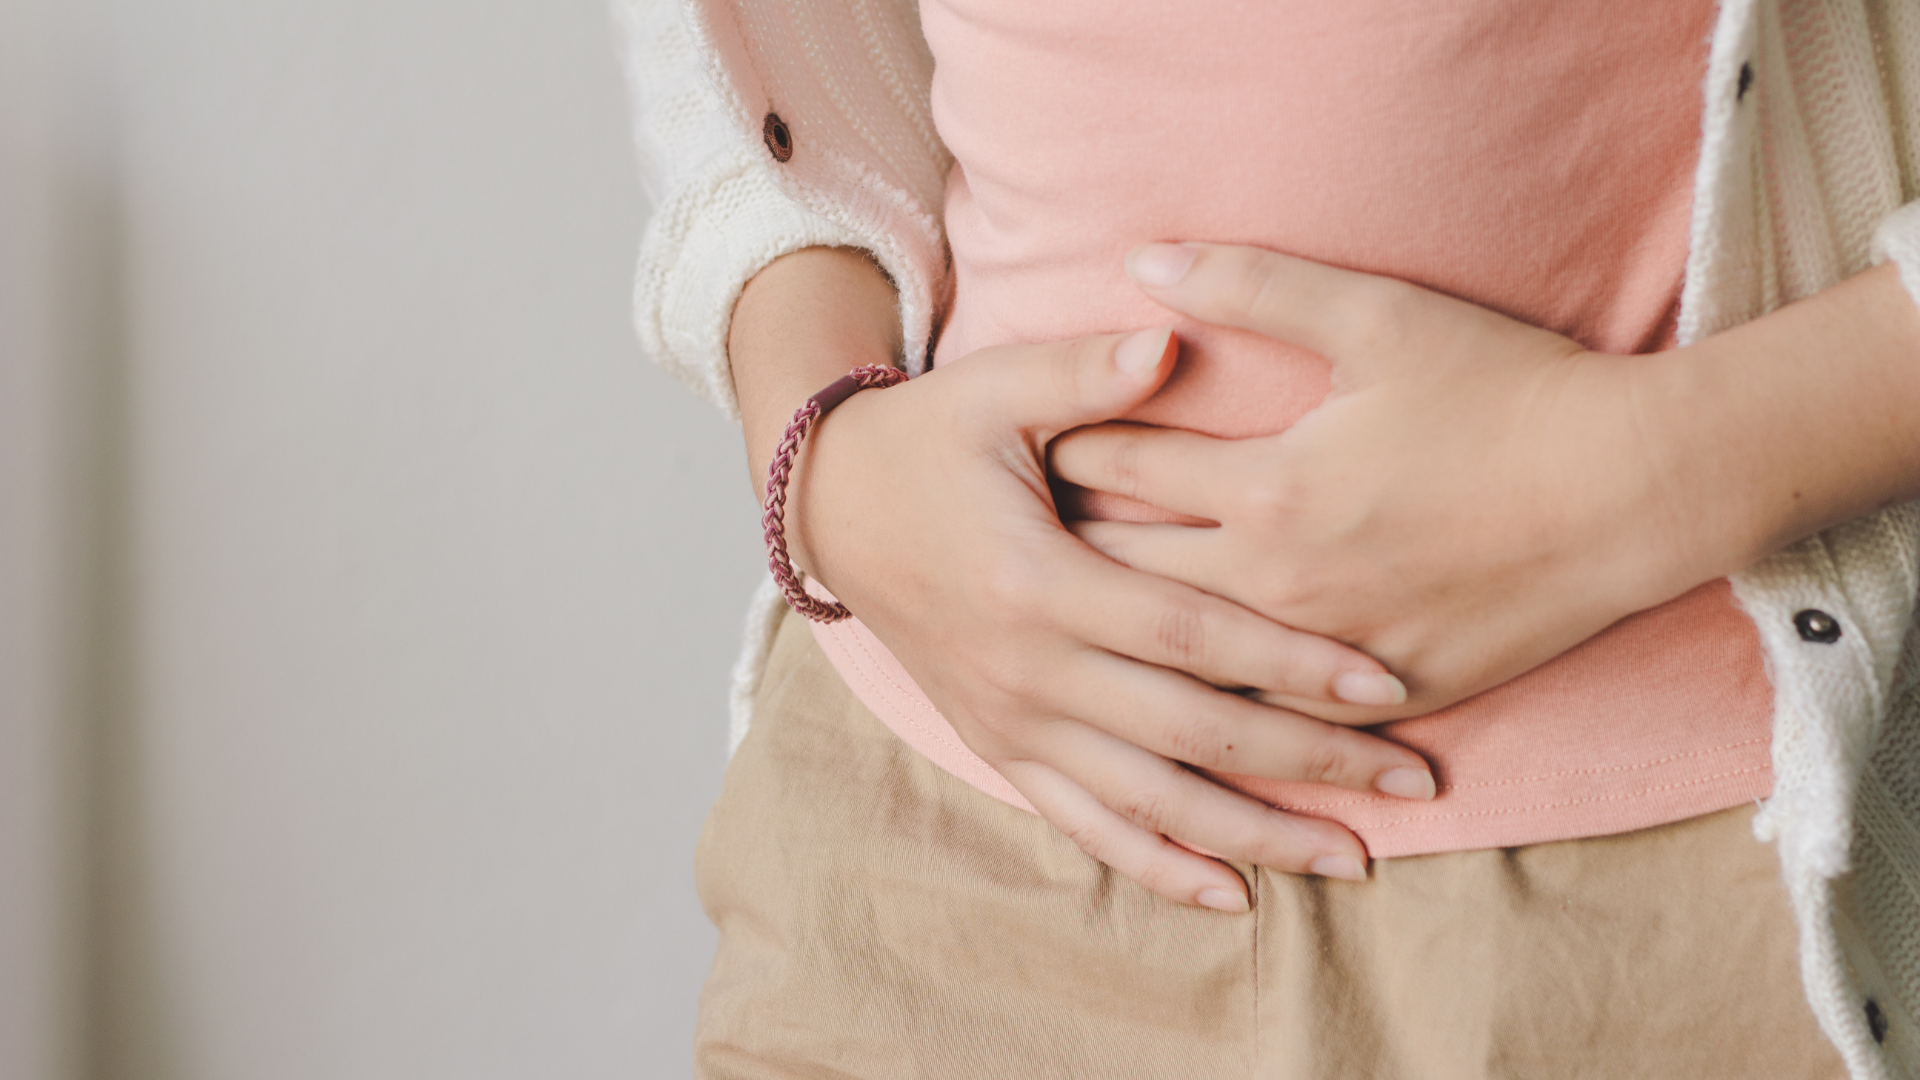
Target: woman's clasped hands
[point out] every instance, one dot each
(1091, 687)
(1474, 497)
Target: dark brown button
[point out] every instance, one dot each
(1817, 626)
(779, 140)
(1876, 1021)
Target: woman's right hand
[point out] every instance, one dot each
(925, 509)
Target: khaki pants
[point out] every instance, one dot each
(881, 919)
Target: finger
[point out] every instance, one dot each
(1340, 314)
(1166, 622)
(1180, 718)
(1180, 552)
(1051, 388)
(1160, 797)
(1182, 471)
(1149, 859)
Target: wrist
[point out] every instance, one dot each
(803, 321)
(1801, 419)
(1633, 497)
(818, 473)
(1721, 506)
(779, 478)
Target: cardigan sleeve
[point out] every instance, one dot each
(868, 171)
(1897, 239)
(715, 216)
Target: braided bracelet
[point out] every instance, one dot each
(773, 519)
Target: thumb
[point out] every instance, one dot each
(1358, 322)
(1050, 388)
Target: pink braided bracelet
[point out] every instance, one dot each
(773, 519)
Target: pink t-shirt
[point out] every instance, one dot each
(1536, 158)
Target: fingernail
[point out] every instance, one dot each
(1160, 266)
(1406, 782)
(1142, 350)
(1222, 900)
(1344, 867)
(1370, 688)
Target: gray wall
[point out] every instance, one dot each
(413, 585)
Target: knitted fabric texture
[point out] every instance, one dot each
(1810, 148)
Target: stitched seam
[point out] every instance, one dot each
(1510, 781)
(1499, 811)
(879, 675)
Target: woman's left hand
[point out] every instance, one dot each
(1473, 498)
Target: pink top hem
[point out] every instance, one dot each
(1563, 804)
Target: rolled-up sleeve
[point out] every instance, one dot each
(716, 215)
(1897, 240)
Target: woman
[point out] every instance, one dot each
(1460, 566)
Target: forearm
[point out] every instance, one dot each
(1796, 421)
(802, 322)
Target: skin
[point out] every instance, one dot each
(1475, 497)
(925, 509)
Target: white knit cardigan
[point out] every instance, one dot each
(1809, 172)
